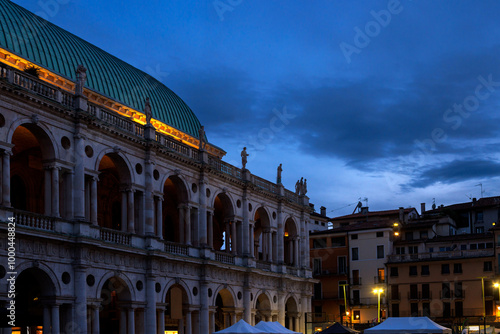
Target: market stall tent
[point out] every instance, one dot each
(405, 325)
(241, 327)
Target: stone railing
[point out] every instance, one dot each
(174, 248)
(114, 236)
(263, 265)
(224, 257)
(441, 255)
(292, 196)
(176, 146)
(35, 85)
(34, 220)
(224, 167)
(67, 99)
(264, 184)
(292, 271)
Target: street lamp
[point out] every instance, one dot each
(497, 285)
(378, 292)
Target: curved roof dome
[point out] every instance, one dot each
(58, 50)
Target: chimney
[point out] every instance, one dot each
(364, 210)
(323, 211)
(422, 208)
(401, 214)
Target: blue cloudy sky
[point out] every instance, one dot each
(394, 101)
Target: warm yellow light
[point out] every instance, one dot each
(396, 234)
(496, 285)
(396, 224)
(286, 234)
(378, 291)
(347, 313)
(357, 316)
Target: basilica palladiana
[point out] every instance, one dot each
(127, 220)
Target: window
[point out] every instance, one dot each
(356, 314)
(446, 310)
(317, 266)
(473, 246)
(409, 235)
(463, 247)
(338, 241)
(445, 268)
(479, 229)
(342, 265)
(414, 309)
(431, 249)
(413, 250)
(400, 250)
(355, 297)
(394, 271)
(354, 236)
(355, 255)
(458, 290)
(459, 309)
(426, 309)
(395, 292)
(479, 216)
(380, 234)
(319, 311)
(380, 252)
(413, 270)
(319, 243)
(395, 310)
(317, 290)
(457, 268)
(423, 234)
(355, 277)
(425, 270)
(380, 275)
(426, 291)
(445, 290)
(413, 291)
(488, 266)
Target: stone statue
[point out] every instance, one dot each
(301, 186)
(201, 134)
(304, 187)
(244, 156)
(278, 179)
(81, 78)
(147, 111)
(297, 187)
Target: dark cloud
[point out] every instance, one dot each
(456, 171)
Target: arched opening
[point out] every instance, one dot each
(225, 315)
(289, 242)
(30, 183)
(262, 309)
(113, 190)
(262, 236)
(223, 229)
(35, 297)
(175, 211)
(115, 313)
(291, 314)
(176, 302)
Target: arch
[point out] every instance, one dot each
(46, 269)
(176, 219)
(263, 307)
(181, 283)
(225, 314)
(35, 291)
(222, 237)
(114, 293)
(261, 229)
(120, 160)
(290, 233)
(48, 141)
(227, 293)
(111, 274)
(291, 312)
(30, 183)
(177, 301)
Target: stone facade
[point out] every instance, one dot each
(123, 229)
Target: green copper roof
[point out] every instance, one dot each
(56, 49)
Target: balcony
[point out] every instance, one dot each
(355, 281)
(458, 254)
(379, 279)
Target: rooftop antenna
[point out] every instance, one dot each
(469, 196)
(433, 203)
(482, 191)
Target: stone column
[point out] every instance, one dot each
(47, 194)
(123, 322)
(233, 317)
(296, 252)
(182, 220)
(275, 250)
(130, 321)
(79, 176)
(160, 318)
(234, 237)
(188, 322)
(212, 321)
(159, 218)
(187, 231)
(80, 287)
(55, 191)
(281, 235)
(149, 209)
(93, 200)
(270, 246)
(202, 214)
(247, 314)
(296, 323)
(150, 304)
(69, 194)
(210, 227)
(46, 319)
(252, 242)
(204, 318)
(124, 210)
(6, 178)
(227, 240)
(95, 320)
(281, 308)
(181, 325)
(130, 211)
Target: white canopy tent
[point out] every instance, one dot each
(405, 325)
(241, 327)
(273, 327)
